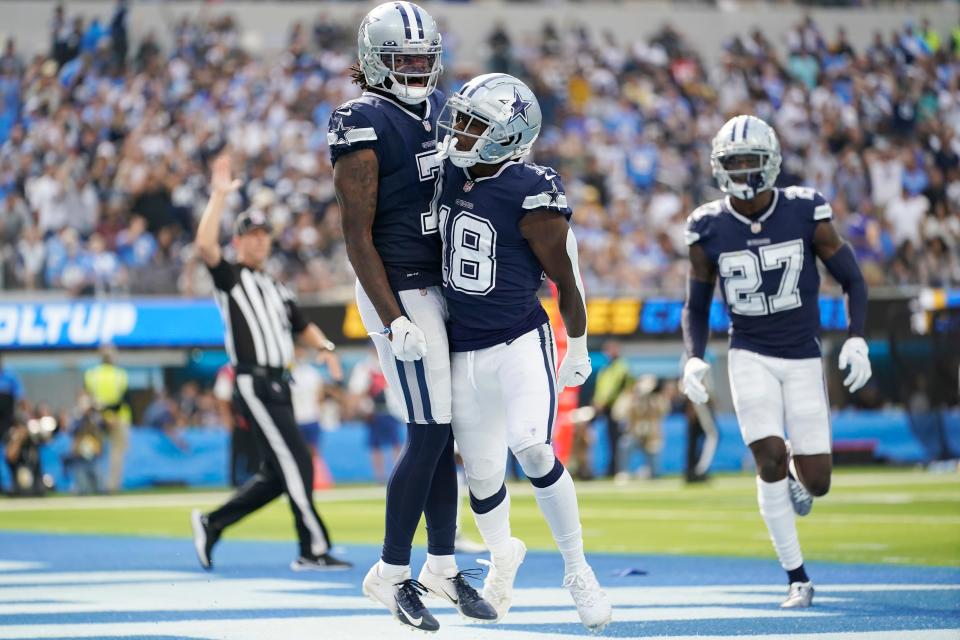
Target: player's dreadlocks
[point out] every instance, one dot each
(356, 74)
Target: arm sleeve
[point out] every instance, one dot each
(223, 275)
(695, 319)
(350, 130)
(844, 268)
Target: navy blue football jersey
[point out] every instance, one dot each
(404, 231)
(768, 270)
(490, 275)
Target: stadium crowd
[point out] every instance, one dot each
(104, 142)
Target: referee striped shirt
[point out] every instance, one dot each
(260, 315)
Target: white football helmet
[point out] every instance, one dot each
(505, 106)
(399, 48)
(745, 136)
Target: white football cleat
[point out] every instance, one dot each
(801, 498)
(498, 586)
(592, 603)
(799, 596)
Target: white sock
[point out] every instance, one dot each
(558, 503)
(442, 565)
(777, 512)
(494, 526)
(392, 571)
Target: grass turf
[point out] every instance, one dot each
(875, 516)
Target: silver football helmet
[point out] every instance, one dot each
(399, 48)
(745, 157)
(497, 112)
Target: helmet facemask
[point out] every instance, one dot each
(745, 173)
(467, 137)
(410, 73)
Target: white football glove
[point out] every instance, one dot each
(855, 355)
(407, 340)
(576, 367)
(692, 383)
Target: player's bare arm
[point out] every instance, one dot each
(553, 243)
(547, 233)
(222, 185)
(355, 178)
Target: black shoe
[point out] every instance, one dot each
(410, 609)
(325, 562)
(469, 602)
(203, 538)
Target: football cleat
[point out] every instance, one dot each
(498, 586)
(799, 596)
(203, 538)
(401, 596)
(799, 496)
(455, 589)
(593, 606)
(325, 562)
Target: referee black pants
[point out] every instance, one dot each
(287, 465)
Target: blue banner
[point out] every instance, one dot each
(662, 315)
(135, 323)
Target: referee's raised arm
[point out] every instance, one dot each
(222, 184)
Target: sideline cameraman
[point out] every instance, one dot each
(11, 399)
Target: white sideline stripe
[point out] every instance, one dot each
(288, 466)
(91, 578)
(14, 565)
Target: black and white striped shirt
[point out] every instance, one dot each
(260, 315)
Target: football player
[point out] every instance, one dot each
(382, 146)
(763, 243)
(504, 225)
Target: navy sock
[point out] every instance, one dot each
(409, 487)
(441, 507)
(797, 575)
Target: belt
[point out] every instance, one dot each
(274, 373)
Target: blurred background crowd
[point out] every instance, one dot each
(104, 141)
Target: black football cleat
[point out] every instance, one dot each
(203, 538)
(325, 562)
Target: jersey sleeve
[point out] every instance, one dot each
(351, 128)
(546, 191)
(298, 322)
(699, 223)
(224, 276)
(817, 205)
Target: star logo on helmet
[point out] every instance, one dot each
(519, 107)
(341, 133)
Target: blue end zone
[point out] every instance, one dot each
(704, 596)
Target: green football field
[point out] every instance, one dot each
(888, 516)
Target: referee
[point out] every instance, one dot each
(261, 319)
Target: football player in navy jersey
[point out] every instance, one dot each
(763, 243)
(383, 150)
(504, 225)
